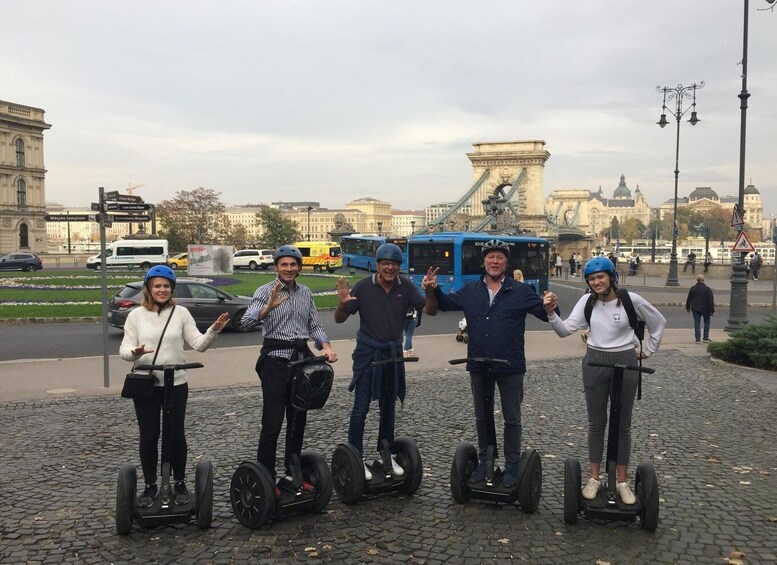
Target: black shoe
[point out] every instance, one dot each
(479, 474)
(181, 493)
(510, 477)
(146, 500)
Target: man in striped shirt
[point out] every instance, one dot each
(289, 318)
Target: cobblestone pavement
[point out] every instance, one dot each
(709, 432)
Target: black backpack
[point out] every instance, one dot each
(636, 324)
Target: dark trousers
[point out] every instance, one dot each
(511, 394)
(361, 406)
(149, 413)
(697, 317)
(276, 403)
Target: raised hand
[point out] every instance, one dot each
(221, 322)
(344, 292)
(430, 278)
(275, 299)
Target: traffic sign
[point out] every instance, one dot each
(69, 218)
(742, 244)
(112, 195)
(118, 207)
(95, 206)
(130, 218)
(736, 218)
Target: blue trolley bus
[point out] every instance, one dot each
(359, 250)
(458, 256)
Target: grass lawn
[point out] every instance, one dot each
(77, 292)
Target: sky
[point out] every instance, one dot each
(333, 100)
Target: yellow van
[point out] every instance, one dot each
(320, 255)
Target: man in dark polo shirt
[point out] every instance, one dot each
(382, 301)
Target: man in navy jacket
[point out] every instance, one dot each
(495, 307)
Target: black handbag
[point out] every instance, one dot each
(140, 386)
(311, 386)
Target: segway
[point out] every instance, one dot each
(165, 510)
(528, 488)
(252, 490)
(348, 465)
(607, 505)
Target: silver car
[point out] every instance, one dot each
(205, 302)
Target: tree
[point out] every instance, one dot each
(277, 229)
(193, 216)
(631, 228)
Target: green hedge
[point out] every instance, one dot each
(752, 346)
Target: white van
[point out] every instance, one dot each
(129, 253)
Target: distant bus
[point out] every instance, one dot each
(458, 256)
(320, 255)
(359, 250)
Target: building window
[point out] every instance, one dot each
(24, 236)
(21, 192)
(19, 152)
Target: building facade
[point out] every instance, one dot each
(592, 212)
(22, 179)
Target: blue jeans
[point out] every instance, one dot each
(409, 331)
(511, 394)
(697, 316)
(361, 405)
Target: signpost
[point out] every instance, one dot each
(70, 218)
(742, 244)
(736, 218)
(134, 207)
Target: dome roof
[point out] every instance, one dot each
(703, 192)
(622, 191)
(750, 189)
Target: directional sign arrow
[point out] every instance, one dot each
(112, 195)
(118, 207)
(125, 198)
(69, 218)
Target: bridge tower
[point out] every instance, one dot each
(506, 160)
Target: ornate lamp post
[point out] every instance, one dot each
(737, 314)
(678, 93)
(380, 227)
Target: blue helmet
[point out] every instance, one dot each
(287, 251)
(389, 252)
(160, 271)
(495, 245)
(598, 265)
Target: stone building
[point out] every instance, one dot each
(22, 179)
(592, 212)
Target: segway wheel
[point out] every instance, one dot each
(529, 481)
(572, 490)
(409, 458)
(316, 472)
(125, 499)
(347, 473)
(465, 461)
(646, 485)
(252, 494)
(203, 490)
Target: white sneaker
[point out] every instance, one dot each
(408, 352)
(591, 489)
(367, 474)
(627, 497)
(396, 469)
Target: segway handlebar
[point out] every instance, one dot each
(486, 360)
(647, 370)
(394, 360)
(174, 367)
(307, 361)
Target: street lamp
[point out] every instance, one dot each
(737, 313)
(309, 209)
(678, 94)
(380, 227)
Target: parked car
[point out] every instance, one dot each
(20, 262)
(180, 261)
(205, 302)
(252, 259)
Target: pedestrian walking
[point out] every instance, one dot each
(154, 334)
(755, 264)
(559, 264)
(289, 319)
(700, 303)
(382, 301)
(572, 265)
(610, 340)
(495, 306)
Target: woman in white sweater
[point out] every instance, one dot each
(611, 340)
(142, 330)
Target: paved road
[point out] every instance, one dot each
(708, 430)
